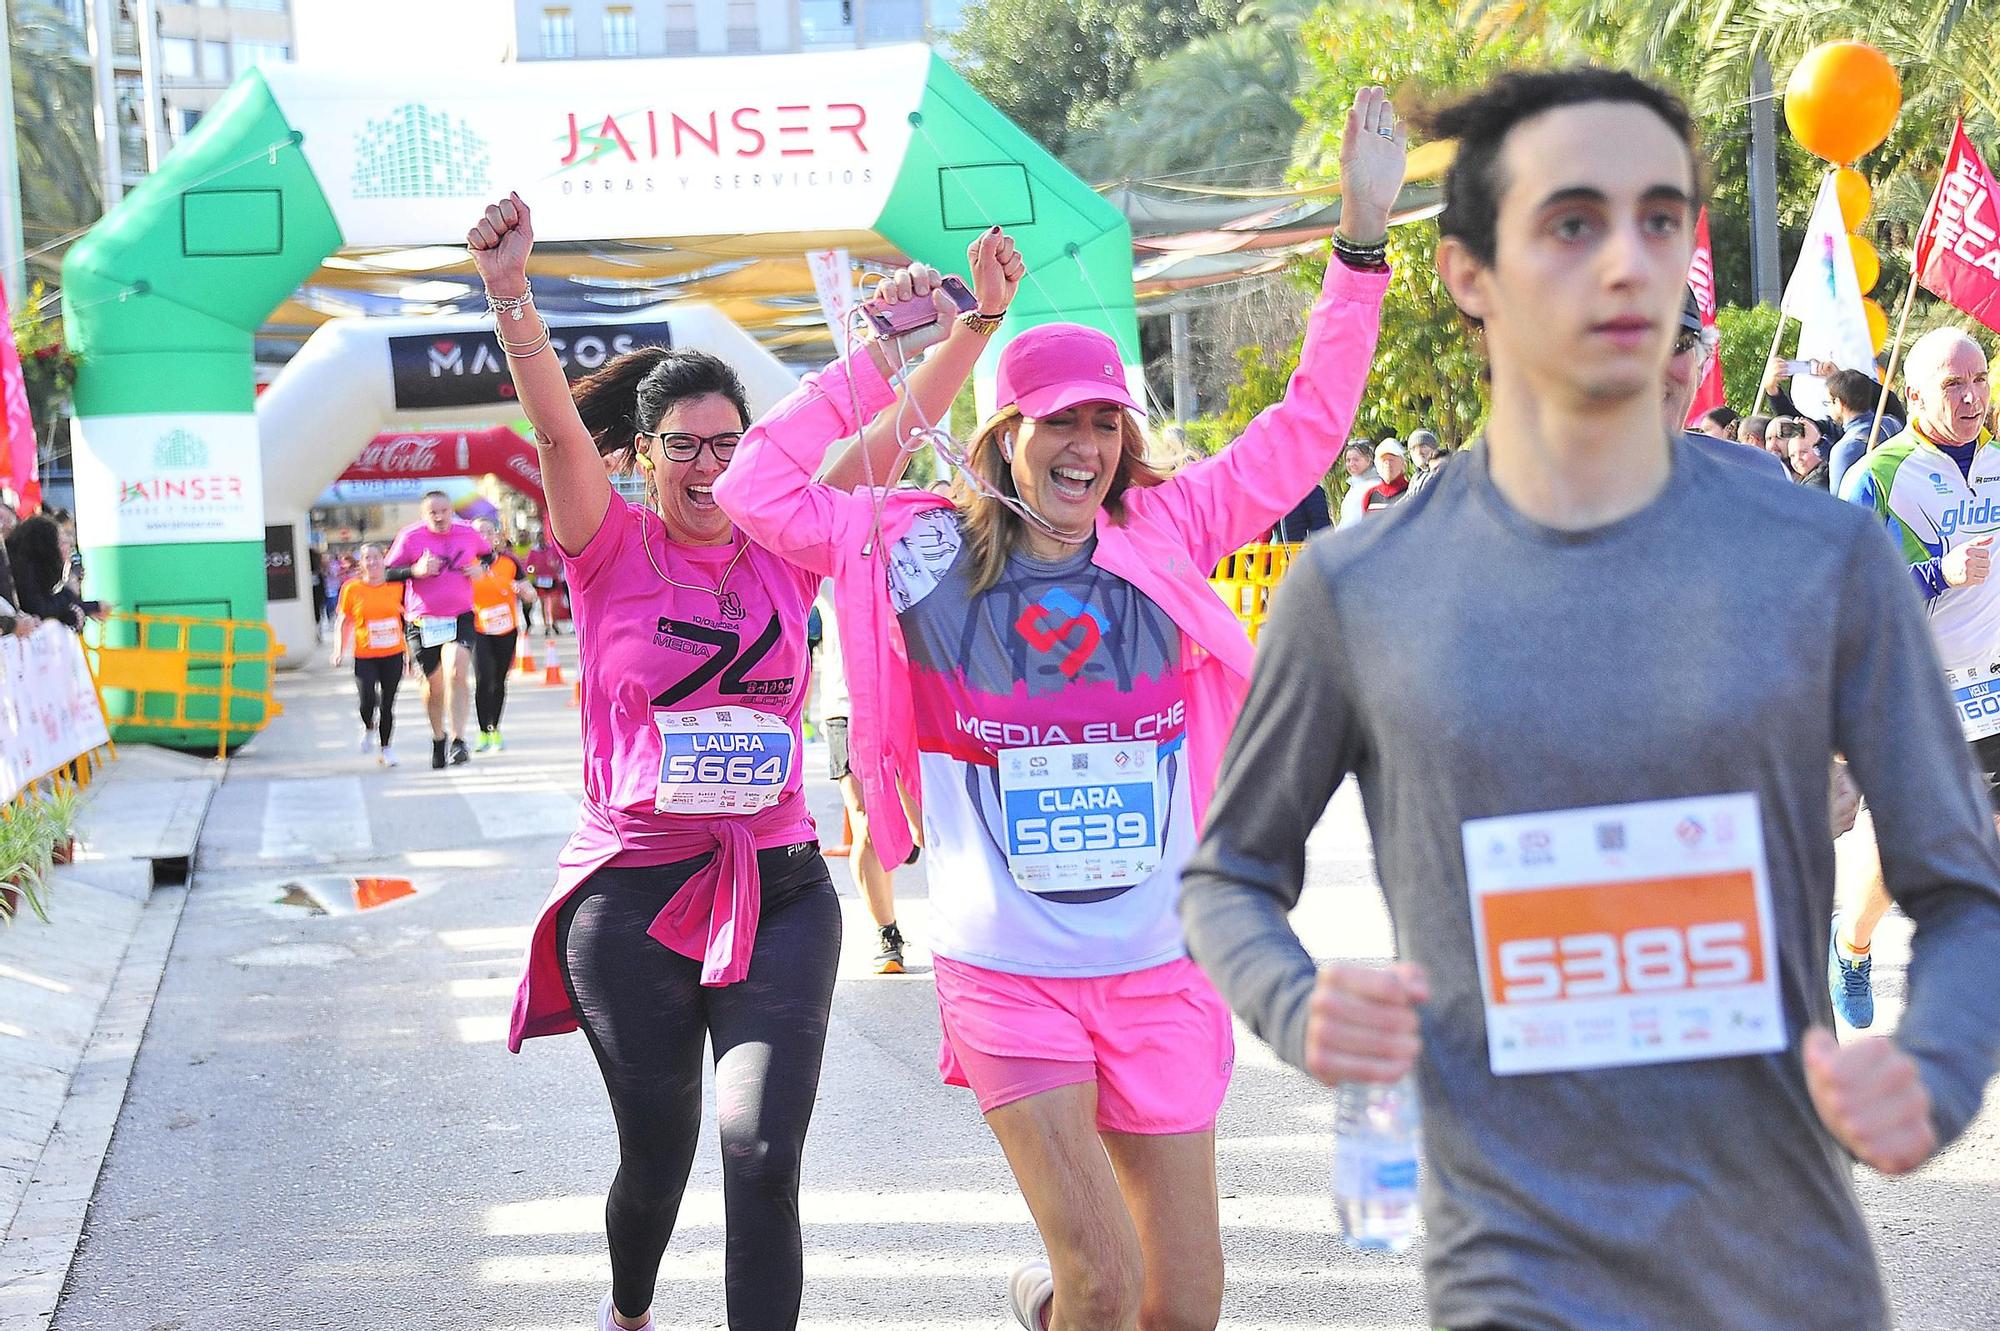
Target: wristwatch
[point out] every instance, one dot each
(982, 324)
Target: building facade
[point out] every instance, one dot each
(204, 45)
(612, 29)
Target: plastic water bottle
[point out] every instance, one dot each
(1375, 1156)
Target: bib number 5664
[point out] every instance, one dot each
(714, 769)
(1599, 965)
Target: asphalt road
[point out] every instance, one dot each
(325, 1129)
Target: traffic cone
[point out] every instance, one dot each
(846, 846)
(525, 655)
(552, 672)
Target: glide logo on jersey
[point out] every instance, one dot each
(1049, 623)
(1968, 514)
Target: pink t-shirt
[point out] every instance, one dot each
(449, 592)
(648, 647)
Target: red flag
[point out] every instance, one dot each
(1958, 245)
(17, 443)
(1708, 394)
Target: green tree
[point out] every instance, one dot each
(1053, 66)
(52, 117)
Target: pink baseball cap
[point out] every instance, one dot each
(1056, 366)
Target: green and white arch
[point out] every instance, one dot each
(162, 298)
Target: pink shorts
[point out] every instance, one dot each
(1157, 1042)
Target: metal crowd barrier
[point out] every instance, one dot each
(1245, 580)
(184, 682)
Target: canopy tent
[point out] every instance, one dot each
(302, 188)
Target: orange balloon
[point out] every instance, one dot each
(1842, 100)
(1867, 264)
(1851, 188)
(1878, 324)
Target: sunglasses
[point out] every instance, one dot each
(1687, 339)
(680, 447)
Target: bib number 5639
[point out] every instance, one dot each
(1081, 831)
(1598, 965)
(714, 769)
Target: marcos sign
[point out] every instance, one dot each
(468, 369)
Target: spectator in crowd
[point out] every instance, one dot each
(1808, 467)
(40, 562)
(1311, 514)
(1360, 476)
(12, 620)
(1692, 343)
(1721, 423)
(1752, 429)
(1854, 397)
(1425, 455)
(1392, 464)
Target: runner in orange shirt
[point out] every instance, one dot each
(497, 590)
(370, 619)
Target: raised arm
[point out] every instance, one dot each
(1236, 496)
(929, 390)
(573, 480)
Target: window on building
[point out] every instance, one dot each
(254, 55)
(177, 57)
(215, 61)
(683, 36)
(743, 31)
(621, 31)
(893, 21)
(826, 23)
(189, 119)
(558, 34)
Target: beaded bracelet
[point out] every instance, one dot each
(513, 305)
(1361, 256)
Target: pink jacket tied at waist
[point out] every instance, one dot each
(1171, 537)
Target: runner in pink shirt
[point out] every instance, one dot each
(1041, 659)
(692, 905)
(437, 557)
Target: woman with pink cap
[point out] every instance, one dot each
(1040, 659)
(691, 907)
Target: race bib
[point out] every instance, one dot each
(1081, 816)
(496, 619)
(722, 760)
(545, 583)
(1976, 696)
(1624, 935)
(435, 630)
(383, 635)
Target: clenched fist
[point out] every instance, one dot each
(1871, 1099)
(500, 243)
(1361, 1024)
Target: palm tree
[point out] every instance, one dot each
(54, 126)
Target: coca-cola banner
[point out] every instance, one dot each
(468, 369)
(402, 455)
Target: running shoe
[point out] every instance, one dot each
(1849, 983)
(440, 754)
(367, 740)
(1029, 1292)
(485, 741)
(459, 753)
(604, 1322)
(889, 958)
(387, 757)
(498, 743)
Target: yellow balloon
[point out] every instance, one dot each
(1842, 100)
(1867, 264)
(1851, 187)
(1878, 324)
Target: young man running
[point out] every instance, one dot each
(1601, 833)
(438, 557)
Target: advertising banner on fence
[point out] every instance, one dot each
(48, 708)
(156, 480)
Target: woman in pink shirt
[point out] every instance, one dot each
(1040, 657)
(692, 904)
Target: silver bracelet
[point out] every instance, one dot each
(513, 305)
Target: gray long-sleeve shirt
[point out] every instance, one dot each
(1465, 662)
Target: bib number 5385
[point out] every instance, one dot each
(1597, 965)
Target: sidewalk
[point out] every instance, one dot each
(75, 996)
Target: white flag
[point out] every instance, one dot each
(1825, 297)
(833, 279)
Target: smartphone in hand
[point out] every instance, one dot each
(895, 320)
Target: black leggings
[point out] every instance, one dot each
(381, 675)
(492, 658)
(646, 1013)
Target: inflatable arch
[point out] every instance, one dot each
(162, 298)
(356, 377)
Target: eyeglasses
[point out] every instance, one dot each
(1687, 339)
(680, 447)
